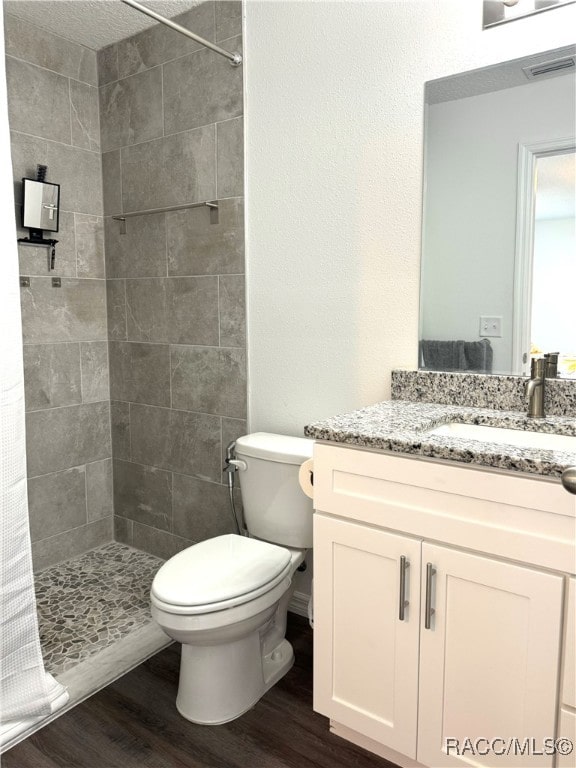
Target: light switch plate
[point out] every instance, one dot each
(490, 326)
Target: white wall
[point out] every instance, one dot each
(471, 180)
(334, 120)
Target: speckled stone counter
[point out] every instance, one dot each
(401, 427)
(498, 392)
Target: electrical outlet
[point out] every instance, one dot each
(490, 326)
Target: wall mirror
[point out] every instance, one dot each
(40, 205)
(499, 229)
(502, 11)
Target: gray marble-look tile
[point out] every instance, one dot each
(201, 88)
(116, 308)
(65, 545)
(107, 60)
(198, 247)
(201, 17)
(56, 503)
(232, 311)
(159, 543)
(123, 530)
(169, 171)
(79, 174)
(99, 490)
(60, 438)
(209, 380)
(142, 51)
(52, 375)
(230, 161)
(38, 46)
(147, 310)
(201, 509)
(131, 109)
(35, 261)
(159, 44)
(89, 245)
(38, 101)
(111, 183)
(232, 429)
(140, 373)
(176, 310)
(120, 425)
(143, 494)
(74, 312)
(228, 19)
(141, 251)
(26, 153)
(188, 443)
(95, 379)
(85, 116)
(78, 171)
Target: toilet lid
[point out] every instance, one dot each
(218, 569)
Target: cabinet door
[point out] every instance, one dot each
(365, 657)
(489, 662)
(567, 730)
(569, 674)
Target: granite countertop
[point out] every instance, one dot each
(400, 426)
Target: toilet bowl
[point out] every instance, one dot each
(226, 598)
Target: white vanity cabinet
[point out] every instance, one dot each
(568, 694)
(489, 661)
(478, 650)
(366, 657)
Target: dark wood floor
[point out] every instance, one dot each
(133, 723)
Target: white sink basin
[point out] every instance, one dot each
(517, 437)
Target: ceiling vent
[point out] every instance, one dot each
(550, 68)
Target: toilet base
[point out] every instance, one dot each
(277, 663)
(220, 683)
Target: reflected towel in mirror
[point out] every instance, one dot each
(458, 355)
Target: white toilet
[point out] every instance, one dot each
(226, 598)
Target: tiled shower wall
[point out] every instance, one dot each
(171, 120)
(53, 110)
(170, 132)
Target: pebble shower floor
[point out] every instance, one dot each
(90, 602)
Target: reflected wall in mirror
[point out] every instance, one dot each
(550, 293)
(499, 233)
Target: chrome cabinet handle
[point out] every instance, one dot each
(569, 479)
(402, 602)
(429, 611)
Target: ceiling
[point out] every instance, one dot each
(93, 23)
(507, 74)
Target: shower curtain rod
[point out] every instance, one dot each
(235, 58)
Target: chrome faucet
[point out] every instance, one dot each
(535, 388)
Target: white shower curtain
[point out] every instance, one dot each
(25, 689)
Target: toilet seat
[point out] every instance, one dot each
(219, 573)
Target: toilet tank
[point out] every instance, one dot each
(275, 507)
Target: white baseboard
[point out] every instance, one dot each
(299, 603)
